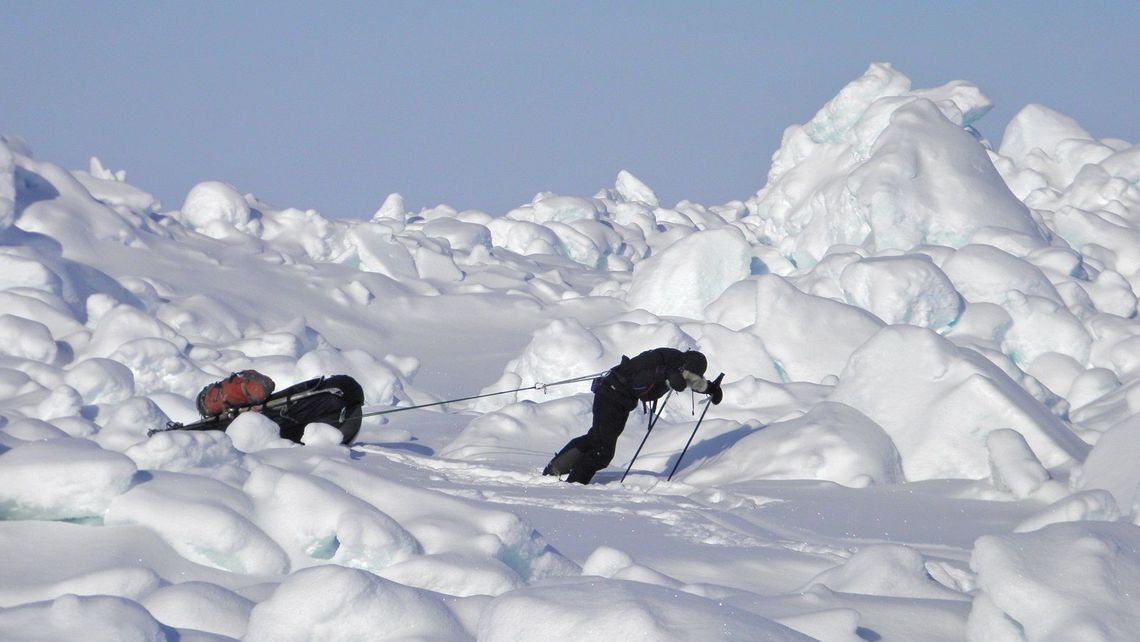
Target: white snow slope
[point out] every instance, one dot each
(929, 429)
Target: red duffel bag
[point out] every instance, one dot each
(239, 390)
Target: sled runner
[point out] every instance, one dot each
(334, 400)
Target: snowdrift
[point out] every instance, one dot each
(930, 350)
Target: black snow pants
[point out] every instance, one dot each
(595, 449)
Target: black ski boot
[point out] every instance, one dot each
(582, 474)
(564, 461)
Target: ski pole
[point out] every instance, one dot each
(652, 422)
(699, 420)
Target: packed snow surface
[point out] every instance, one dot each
(929, 427)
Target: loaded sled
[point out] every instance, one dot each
(335, 400)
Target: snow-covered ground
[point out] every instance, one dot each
(929, 431)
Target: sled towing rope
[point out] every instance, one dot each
(211, 423)
(537, 386)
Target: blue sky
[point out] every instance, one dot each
(482, 105)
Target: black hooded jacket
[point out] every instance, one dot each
(649, 375)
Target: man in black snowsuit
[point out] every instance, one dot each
(646, 377)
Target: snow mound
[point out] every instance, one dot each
(461, 574)
(632, 189)
(765, 306)
(177, 451)
(890, 570)
(112, 189)
(26, 270)
(612, 563)
(200, 606)
(61, 479)
(334, 603)
(887, 169)
(206, 521)
(832, 442)
(72, 617)
(459, 235)
(445, 524)
(1036, 129)
(690, 274)
(914, 384)
(101, 381)
(1014, 467)
(982, 273)
(251, 432)
(1111, 465)
(1021, 599)
(1084, 506)
(906, 289)
(564, 349)
(930, 182)
(26, 339)
(621, 610)
(314, 520)
(215, 209)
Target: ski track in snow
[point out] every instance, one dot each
(723, 519)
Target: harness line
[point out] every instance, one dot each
(538, 386)
(206, 422)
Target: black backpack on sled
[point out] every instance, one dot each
(334, 400)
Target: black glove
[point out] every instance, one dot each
(676, 380)
(714, 392)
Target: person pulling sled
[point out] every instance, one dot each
(645, 378)
(335, 400)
